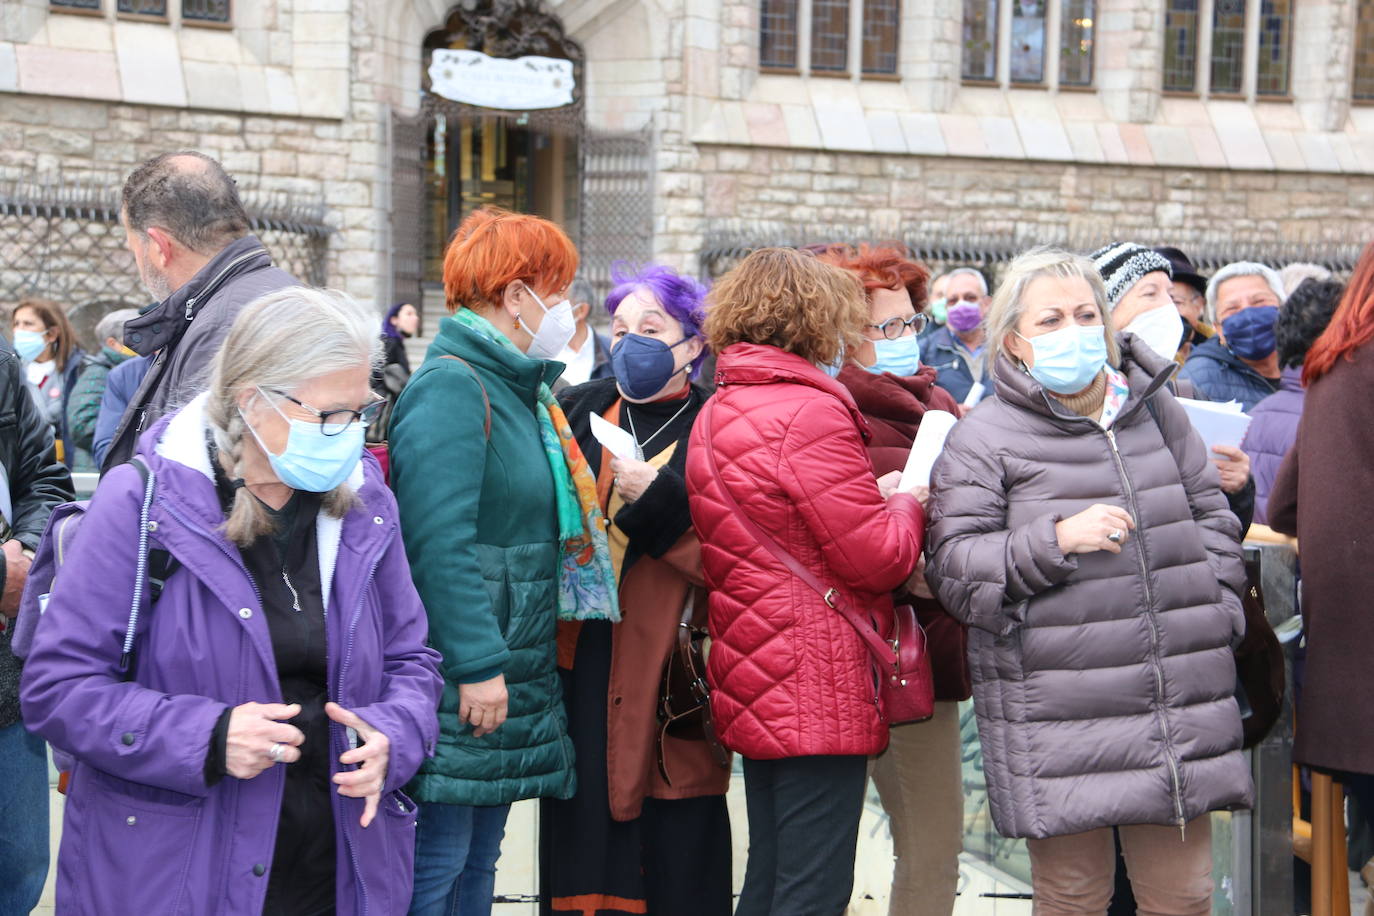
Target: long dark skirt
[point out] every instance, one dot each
(673, 860)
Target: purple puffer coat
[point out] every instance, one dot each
(1273, 430)
(1103, 683)
(142, 831)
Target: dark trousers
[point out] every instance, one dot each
(803, 833)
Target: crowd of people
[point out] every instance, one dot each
(329, 615)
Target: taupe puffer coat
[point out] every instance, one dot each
(1103, 683)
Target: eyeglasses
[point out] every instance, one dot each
(334, 422)
(896, 327)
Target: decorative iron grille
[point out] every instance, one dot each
(617, 203)
(409, 240)
(728, 241)
(61, 239)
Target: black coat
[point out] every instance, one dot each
(38, 482)
(185, 331)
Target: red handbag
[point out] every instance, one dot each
(905, 686)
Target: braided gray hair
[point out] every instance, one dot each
(278, 342)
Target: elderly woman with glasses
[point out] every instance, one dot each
(234, 652)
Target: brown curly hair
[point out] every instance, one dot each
(790, 300)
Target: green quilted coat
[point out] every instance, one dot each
(481, 530)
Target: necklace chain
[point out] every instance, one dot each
(629, 416)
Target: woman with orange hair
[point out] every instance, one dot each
(505, 537)
(917, 777)
(1324, 493)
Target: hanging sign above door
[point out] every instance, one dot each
(518, 84)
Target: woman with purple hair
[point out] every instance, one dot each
(648, 830)
(402, 320)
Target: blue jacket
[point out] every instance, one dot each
(1221, 376)
(1273, 430)
(949, 358)
(120, 386)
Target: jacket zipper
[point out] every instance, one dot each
(1156, 663)
(214, 284)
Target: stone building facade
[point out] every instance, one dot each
(322, 104)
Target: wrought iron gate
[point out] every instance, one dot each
(617, 203)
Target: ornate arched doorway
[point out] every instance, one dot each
(468, 148)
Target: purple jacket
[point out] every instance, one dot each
(1273, 430)
(141, 826)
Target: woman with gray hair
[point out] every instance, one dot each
(1241, 363)
(1079, 529)
(241, 746)
(83, 405)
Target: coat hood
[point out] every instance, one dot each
(762, 364)
(164, 323)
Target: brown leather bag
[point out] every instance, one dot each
(684, 699)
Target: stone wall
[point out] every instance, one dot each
(890, 195)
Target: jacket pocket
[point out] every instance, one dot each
(397, 820)
(139, 842)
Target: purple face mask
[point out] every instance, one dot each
(964, 317)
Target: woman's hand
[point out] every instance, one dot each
(917, 584)
(371, 756)
(1098, 527)
(483, 705)
(254, 729)
(1234, 467)
(632, 477)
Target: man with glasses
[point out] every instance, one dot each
(190, 237)
(958, 351)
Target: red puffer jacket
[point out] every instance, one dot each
(789, 675)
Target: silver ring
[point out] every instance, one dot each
(277, 752)
(1116, 536)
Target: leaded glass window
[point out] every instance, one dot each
(143, 7)
(1180, 46)
(778, 35)
(980, 40)
(1275, 39)
(205, 10)
(882, 26)
(1076, 43)
(1228, 47)
(1363, 87)
(1028, 41)
(60, 5)
(829, 36)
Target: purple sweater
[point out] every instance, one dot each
(1273, 430)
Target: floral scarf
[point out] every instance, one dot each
(586, 579)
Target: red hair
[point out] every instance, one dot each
(1351, 327)
(888, 267)
(493, 248)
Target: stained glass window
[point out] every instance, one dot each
(205, 10)
(1275, 39)
(778, 34)
(1076, 43)
(1028, 41)
(143, 7)
(980, 40)
(882, 25)
(76, 5)
(1228, 47)
(1364, 52)
(829, 36)
(1180, 46)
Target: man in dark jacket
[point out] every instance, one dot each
(1241, 363)
(34, 482)
(958, 351)
(189, 235)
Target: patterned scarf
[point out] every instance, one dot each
(586, 579)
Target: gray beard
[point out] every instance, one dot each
(156, 284)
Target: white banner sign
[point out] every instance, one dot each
(517, 84)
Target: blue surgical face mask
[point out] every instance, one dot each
(311, 460)
(1249, 332)
(29, 344)
(1067, 360)
(644, 365)
(900, 357)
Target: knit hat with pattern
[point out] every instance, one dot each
(1123, 264)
